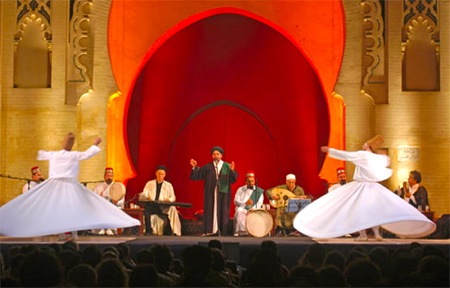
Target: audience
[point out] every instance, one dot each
(144, 275)
(66, 265)
(362, 272)
(81, 275)
(41, 269)
(111, 273)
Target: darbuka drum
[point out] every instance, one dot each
(259, 222)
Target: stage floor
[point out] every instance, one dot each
(239, 249)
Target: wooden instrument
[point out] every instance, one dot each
(167, 203)
(284, 195)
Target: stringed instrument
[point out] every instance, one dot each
(284, 195)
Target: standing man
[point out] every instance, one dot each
(218, 177)
(160, 190)
(417, 195)
(283, 219)
(248, 197)
(112, 191)
(36, 178)
(341, 177)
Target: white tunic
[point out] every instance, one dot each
(362, 203)
(61, 204)
(240, 215)
(102, 189)
(29, 186)
(167, 193)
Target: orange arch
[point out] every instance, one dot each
(128, 59)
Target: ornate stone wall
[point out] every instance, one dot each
(37, 118)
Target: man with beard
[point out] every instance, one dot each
(36, 178)
(217, 177)
(341, 177)
(112, 191)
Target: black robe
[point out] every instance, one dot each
(208, 174)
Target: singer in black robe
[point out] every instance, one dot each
(215, 186)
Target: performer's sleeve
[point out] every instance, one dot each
(423, 197)
(145, 194)
(43, 155)
(237, 199)
(197, 174)
(96, 189)
(90, 152)
(172, 197)
(355, 157)
(233, 176)
(302, 191)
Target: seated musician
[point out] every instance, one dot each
(247, 198)
(36, 178)
(160, 190)
(283, 220)
(112, 191)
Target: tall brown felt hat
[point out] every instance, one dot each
(68, 141)
(375, 142)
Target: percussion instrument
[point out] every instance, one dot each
(259, 222)
(116, 192)
(284, 195)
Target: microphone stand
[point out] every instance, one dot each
(88, 182)
(16, 178)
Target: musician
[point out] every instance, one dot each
(341, 177)
(112, 191)
(283, 219)
(36, 178)
(160, 190)
(416, 194)
(217, 176)
(247, 198)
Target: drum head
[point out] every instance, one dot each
(259, 223)
(116, 191)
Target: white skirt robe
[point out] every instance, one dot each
(61, 204)
(362, 204)
(58, 206)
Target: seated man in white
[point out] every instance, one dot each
(247, 197)
(160, 190)
(112, 191)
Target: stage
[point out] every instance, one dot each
(239, 249)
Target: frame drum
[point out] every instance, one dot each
(259, 222)
(116, 192)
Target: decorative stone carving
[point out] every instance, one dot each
(420, 46)
(79, 51)
(33, 45)
(374, 72)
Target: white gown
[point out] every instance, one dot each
(61, 204)
(362, 204)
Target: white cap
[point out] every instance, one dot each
(290, 177)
